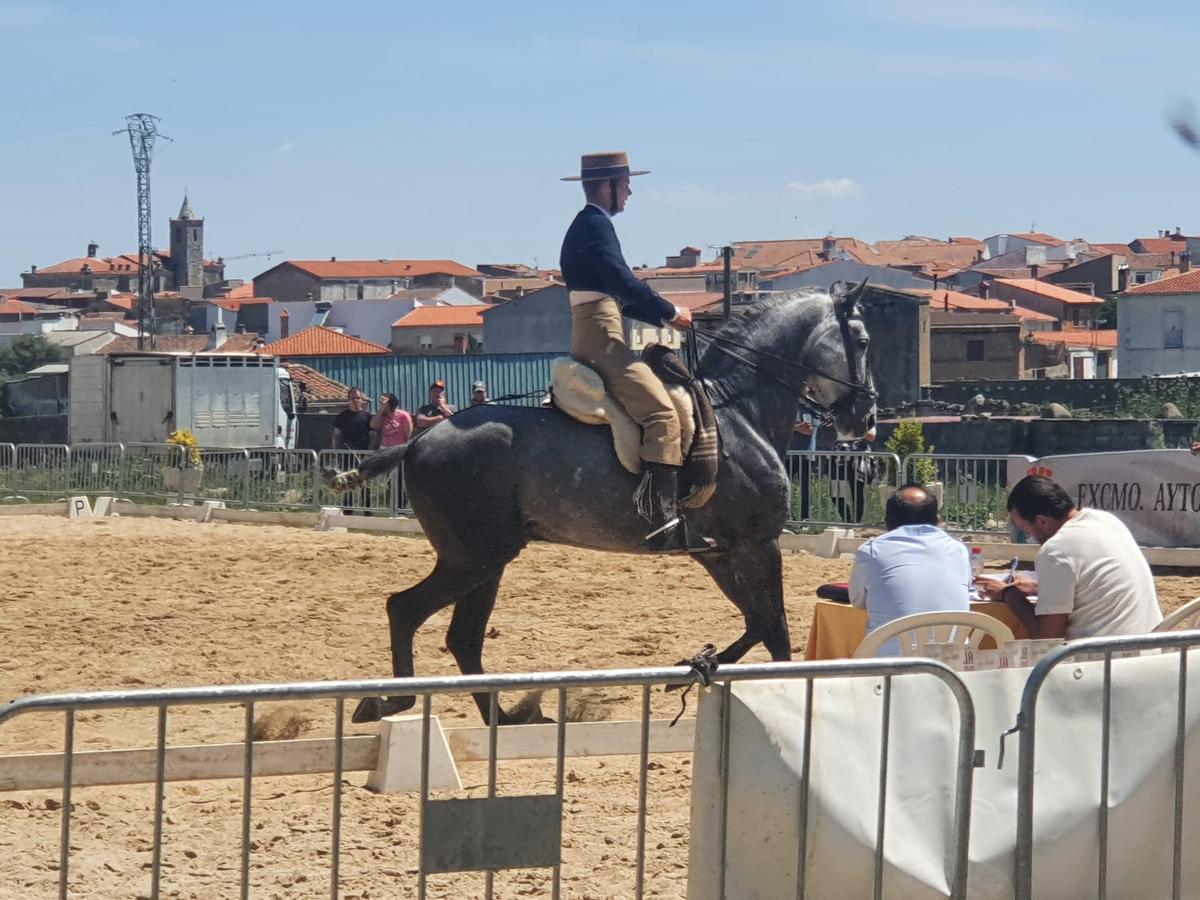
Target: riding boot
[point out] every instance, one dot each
(669, 530)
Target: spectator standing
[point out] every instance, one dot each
(393, 424)
(436, 410)
(914, 567)
(1092, 579)
(851, 475)
(352, 427)
(479, 395)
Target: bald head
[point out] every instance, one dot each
(911, 505)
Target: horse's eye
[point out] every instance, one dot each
(862, 342)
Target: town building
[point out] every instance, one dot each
(973, 345)
(182, 268)
(1159, 327)
(357, 279)
(1073, 309)
(440, 331)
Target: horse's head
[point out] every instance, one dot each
(836, 356)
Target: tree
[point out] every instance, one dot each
(28, 351)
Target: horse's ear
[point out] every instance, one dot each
(846, 298)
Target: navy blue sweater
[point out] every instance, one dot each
(591, 260)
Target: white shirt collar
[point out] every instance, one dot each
(601, 208)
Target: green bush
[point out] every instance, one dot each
(907, 439)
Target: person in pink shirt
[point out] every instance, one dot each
(393, 424)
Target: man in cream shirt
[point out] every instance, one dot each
(1092, 579)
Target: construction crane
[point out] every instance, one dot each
(267, 253)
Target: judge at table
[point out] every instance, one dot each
(915, 567)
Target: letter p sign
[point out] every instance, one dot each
(79, 508)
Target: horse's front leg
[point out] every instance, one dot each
(751, 576)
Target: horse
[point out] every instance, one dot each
(490, 479)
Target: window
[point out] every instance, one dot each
(425, 342)
(974, 351)
(1172, 329)
(475, 342)
(361, 292)
(1141, 277)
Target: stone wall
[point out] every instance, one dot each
(1103, 394)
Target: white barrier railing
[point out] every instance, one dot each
(461, 834)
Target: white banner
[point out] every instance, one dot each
(1156, 493)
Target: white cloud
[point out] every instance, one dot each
(285, 147)
(827, 187)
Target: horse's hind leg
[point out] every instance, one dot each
(464, 639)
(751, 576)
(407, 611)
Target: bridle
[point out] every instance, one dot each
(844, 302)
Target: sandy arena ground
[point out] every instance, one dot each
(133, 603)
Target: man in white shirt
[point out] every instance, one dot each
(914, 568)
(1092, 579)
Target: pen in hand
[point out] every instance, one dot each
(1012, 571)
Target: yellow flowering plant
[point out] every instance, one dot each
(184, 442)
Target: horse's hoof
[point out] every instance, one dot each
(372, 709)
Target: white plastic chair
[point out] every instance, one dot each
(1185, 618)
(915, 631)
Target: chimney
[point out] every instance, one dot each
(217, 336)
(828, 246)
(92, 248)
(1172, 259)
(1185, 261)
(985, 290)
(1178, 231)
(979, 255)
(33, 270)
(285, 321)
(1033, 271)
(333, 259)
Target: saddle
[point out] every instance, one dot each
(578, 391)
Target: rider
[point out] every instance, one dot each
(602, 287)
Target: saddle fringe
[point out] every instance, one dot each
(643, 497)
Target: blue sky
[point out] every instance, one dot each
(440, 129)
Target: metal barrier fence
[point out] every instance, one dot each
(833, 488)
(972, 490)
(1105, 648)
(462, 835)
(826, 487)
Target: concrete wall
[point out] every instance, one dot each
(900, 342)
(951, 339)
(447, 339)
(1141, 322)
(34, 430)
(1100, 273)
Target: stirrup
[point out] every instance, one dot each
(674, 537)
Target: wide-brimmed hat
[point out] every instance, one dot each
(599, 166)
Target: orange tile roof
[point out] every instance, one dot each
(318, 340)
(241, 292)
(1046, 289)
(377, 268)
(1097, 340)
(1116, 249)
(184, 343)
(944, 299)
(11, 307)
(1033, 315)
(1039, 237)
(786, 254)
(121, 301)
(1184, 283)
(107, 265)
(694, 300)
(1161, 245)
(318, 386)
(432, 316)
(927, 252)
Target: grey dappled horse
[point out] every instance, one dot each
(492, 478)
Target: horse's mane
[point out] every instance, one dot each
(749, 318)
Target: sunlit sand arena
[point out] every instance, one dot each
(123, 603)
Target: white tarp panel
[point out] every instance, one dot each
(767, 721)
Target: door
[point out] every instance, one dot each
(142, 407)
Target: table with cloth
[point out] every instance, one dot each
(838, 628)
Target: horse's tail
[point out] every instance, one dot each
(372, 467)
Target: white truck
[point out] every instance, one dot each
(227, 401)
